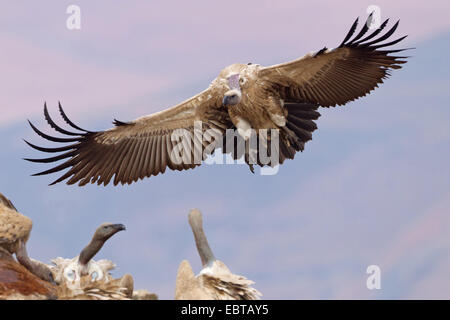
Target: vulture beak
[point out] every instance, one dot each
(231, 98)
(225, 101)
(119, 227)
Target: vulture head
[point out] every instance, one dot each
(233, 96)
(107, 230)
(101, 235)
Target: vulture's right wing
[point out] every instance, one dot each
(136, 149)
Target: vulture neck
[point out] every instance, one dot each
(90, 250)
(204, 250)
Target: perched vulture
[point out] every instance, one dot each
(215, 281)
(84, 278)
(15, 229)
(72, 270)
(272, 107)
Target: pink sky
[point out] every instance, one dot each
(92, 70)
(372, 186)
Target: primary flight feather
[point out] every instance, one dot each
(283, 97)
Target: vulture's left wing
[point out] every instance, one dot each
(140, 148)
(337, 76)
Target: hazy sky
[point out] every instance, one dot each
(372, 187)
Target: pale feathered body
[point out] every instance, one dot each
(70, 271)
(87, 289)
(213, 283)
(94, 281)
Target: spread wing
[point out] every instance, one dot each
(337, 76)
(140, 148)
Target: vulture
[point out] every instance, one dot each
(77, 276)
(82, 278)
(15, 230)
(215, 281)
(262, 114)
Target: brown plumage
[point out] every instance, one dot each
(143, 294)
(283, 97)
(17, 283)
(14, 227)
(15, 231)
(104, 289)
(215, 281)
(87, 289)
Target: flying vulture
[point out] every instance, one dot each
(276, 104)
